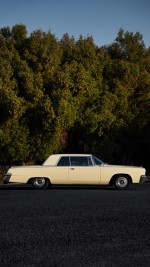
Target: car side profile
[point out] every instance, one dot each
(75, 169)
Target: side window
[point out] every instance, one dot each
(90, 163)
(74, 161)
(64, 161)
(80, 161)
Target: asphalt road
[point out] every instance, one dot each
(75, 226)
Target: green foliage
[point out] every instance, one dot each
(73, 96)
(13, 142)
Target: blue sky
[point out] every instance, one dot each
(101, 19)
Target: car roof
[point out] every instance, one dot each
(53, 159)
(71, 154)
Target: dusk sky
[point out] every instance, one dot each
(100, 19)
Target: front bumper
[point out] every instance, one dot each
(144, 179)
(147, 179)
(6, 178)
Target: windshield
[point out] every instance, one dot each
(97, 161)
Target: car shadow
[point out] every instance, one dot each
(134, 187)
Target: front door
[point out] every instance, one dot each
(82, 171)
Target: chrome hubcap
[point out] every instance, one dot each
(122, 182)
(39, 182)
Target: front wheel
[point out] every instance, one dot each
(40, 183)
(121, 182)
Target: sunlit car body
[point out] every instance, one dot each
(75, 169)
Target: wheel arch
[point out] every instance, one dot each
(120, 174)
(30, 179)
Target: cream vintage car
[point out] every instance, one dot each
(75, 169)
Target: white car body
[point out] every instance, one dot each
(75, 169)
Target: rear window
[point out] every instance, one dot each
(64, 161)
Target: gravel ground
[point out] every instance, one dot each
(75, 226)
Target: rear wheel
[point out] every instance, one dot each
(40, 183)
(121, 182)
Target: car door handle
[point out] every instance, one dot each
(72, 169)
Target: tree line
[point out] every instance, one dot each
(70, 95)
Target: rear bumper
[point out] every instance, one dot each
(144, 179)
(6, 178)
